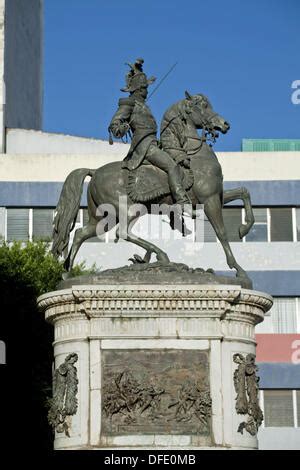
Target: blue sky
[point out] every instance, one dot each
(244, 55)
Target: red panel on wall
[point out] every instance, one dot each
(278, 348)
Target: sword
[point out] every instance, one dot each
(162, 80)
(155, 89)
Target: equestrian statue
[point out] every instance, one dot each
(180, 170)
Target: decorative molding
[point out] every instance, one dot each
(93, 301)
(129, 311)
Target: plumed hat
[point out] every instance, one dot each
(136, 78)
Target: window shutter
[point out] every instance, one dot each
(85, 216)
(282, 146)
(209, 233)
(232, 220)
(283, 315)
(261, 146)
(42, 224)
(278, 405)
(17, 224)
(204, 231)
(281, 225)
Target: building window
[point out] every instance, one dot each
(259, 231)
(17, 224)
(281, 408)
(204, 231)
(281, 225)
(42, 228)
(232, 220)
(282, 318)
(278, 408)
(209, 233)
(284, 315)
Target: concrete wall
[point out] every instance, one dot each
(23, 57)
(32, 142)
(41, 150)
(279, 439)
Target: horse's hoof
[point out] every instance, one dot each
(164, 259)
(247, 282)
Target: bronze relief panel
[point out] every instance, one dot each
(155, 392)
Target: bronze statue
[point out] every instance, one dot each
(150, 174)
(133, 114)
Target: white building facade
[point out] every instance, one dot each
(34, 165)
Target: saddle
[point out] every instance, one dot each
(148, 182)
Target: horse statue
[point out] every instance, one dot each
(111, 184)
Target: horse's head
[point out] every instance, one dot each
(199, 110)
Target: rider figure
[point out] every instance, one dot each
(135, 116)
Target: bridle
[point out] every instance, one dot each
(208, 133)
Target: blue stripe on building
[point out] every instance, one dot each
(39, 194)
(279, 375)
(269, 193)
(277, 283)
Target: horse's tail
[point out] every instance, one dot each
(67, 209)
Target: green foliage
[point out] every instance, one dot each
(28, 270)
(33, 265)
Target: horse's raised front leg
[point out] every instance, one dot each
(149, 247)
(213, 210)
(244, 195)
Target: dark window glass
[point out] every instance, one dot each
(42, 224)
(278, 405)
(17, 224)
(281, 225)
(232, 220)
(259, 231)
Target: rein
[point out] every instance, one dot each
(208, 134)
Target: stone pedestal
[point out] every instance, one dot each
(157, 365)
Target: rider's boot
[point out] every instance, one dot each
(178, 192)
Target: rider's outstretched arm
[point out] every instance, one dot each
(119, 125)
